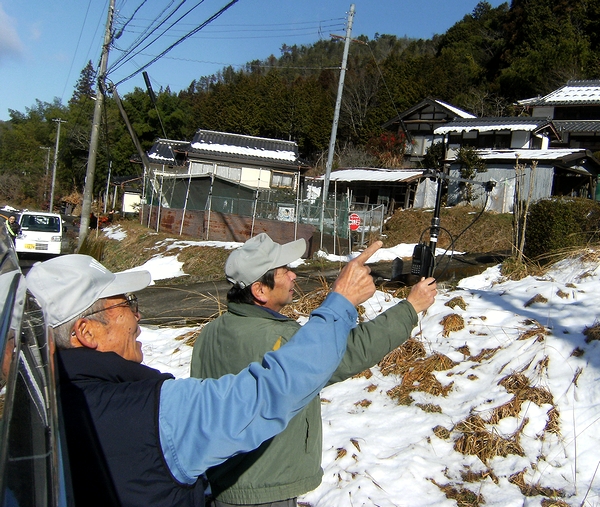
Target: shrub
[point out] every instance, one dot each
(559, 224)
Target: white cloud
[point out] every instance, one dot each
(10, 43)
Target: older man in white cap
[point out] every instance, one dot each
(289, 464)
(137, 437)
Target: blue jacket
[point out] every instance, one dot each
(201, 422)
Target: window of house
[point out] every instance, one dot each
(282, 179)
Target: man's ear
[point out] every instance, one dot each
(259, 292)
(83, 334)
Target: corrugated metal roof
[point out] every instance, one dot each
(524, 154)
(574, 92)
(492, 124)
(363, 174)
(259, 148)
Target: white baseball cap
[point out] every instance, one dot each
(67, 285)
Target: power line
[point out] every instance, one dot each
(197, 29)
(143, 37)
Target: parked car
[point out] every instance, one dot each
(33, 471)
(41, 232)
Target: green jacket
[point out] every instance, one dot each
(289, 464)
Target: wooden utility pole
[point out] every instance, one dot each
(338, 103)
(91, 164)
(59, 121)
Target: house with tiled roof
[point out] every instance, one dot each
(502, 143)
(418, 123)
(575, 111)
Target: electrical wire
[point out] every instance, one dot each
(129, 52)
(197, 29)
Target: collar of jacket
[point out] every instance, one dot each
(246, 310)
(81, 364)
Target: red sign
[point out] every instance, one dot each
(354, 221)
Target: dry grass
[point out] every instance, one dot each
(518, 480)
(452, 323)
(456, 301)
(592, 333)
(418, 376)
(478, 440)
(538, 331)
(538, 298)
(406, 226)
(304, 304)
(464, 497)
(399, 360)
(519, 386)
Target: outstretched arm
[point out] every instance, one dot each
(204, 422)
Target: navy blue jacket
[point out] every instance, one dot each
(117, 458)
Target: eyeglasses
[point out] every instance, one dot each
(131, 300)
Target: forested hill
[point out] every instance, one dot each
(484, 63)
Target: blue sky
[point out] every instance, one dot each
(44, 44)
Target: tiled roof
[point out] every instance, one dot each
(223, 144)
(577, 125)
(163, 151)
(574, 92)
(526, 123)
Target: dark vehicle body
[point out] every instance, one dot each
(33, 465)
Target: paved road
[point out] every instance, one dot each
(184, 304)
(193, 303)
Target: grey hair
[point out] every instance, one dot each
(62, 332)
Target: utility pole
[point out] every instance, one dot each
(338, 103)
(91, 164)
(47, 148)
(59, 121)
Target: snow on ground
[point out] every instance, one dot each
(522, 340)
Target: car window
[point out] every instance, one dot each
(31, 464)
(40, 223)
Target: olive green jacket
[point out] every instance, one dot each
(289, 464)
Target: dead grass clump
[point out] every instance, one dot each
(538, 298)
(204, 262)
(592, 333)
(464, 350)
(470, 476)
(478, 441)
(363, 403)
(451, 323)
(561, 294)
(371, 387)
(577, 352)
(518, 480)
(189, 338)
(484, 355)
(430, 408)
(553, 502)
(539, 331)
(306, 303)
(400, 359)
(518, 385)
(553, 424)
(441, 432)
(456, 301)
(364, 374)
(419, 377)
(464, 497)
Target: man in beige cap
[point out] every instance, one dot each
(289, 464)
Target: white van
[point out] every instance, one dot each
(40, 233)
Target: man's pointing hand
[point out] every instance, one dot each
(354, 281)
